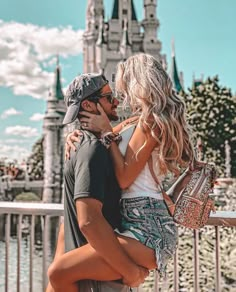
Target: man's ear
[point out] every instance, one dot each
(86, 105)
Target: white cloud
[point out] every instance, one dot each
(36, 117)
(25, 49)
(10, 112)
(22, 131)
(13, 152)
(15, 141)
(15, 149)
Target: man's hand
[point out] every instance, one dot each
(70, 140)
(135, 279)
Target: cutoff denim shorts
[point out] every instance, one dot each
(147, 220)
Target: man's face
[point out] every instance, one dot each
(108, 102)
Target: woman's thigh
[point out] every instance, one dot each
(86, 263)
(139, 253)
(78, 264)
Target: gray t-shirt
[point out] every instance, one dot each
(89, 174)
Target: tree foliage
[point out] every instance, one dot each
(212, 115)
(35, 161)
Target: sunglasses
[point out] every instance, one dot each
(110, 97)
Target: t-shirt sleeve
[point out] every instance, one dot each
(91, 171)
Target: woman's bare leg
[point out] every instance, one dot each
(86, 263)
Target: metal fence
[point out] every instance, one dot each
(48, 211)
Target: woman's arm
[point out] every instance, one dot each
(97, 124)
(139, 148)
(127, 167)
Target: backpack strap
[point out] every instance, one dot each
(167, 199)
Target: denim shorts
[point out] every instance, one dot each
(147, 220)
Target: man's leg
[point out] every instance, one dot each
(86, 263)
(60, 250)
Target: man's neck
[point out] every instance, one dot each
(98, 135)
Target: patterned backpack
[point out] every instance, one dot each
(188, 198)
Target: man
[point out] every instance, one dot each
(91, 202)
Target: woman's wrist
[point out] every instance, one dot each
(109, 137)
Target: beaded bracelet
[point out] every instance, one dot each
(110, 137)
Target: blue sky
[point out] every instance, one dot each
(33, 32)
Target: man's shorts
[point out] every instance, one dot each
(147, 220)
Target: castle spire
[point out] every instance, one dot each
(133, 16)
(173, 48)
(174, 72)
(57, 90)
(115, 10)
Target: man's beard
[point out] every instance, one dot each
(112, 118)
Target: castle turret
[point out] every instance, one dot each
(151, 44)
(53, 142)
(95, 10)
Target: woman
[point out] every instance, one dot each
(161, 136)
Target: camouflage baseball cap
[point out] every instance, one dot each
(78, 90)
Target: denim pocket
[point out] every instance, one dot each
(133, 214)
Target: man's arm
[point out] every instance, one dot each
(91, 173)
(102, 238)
(60, 250)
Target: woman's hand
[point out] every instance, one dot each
(94, 122)
(70, 140)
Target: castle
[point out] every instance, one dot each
(105, 43)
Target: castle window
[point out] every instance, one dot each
(124, 11)
(96, 26)
(151, 15)
(113, 77)
(152, 41)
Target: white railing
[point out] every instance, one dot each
(47, 211)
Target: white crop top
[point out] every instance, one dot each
(144, 184)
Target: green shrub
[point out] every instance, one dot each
(27, 197)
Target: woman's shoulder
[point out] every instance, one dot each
(125, 123)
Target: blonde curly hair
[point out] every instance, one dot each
(148, 90)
